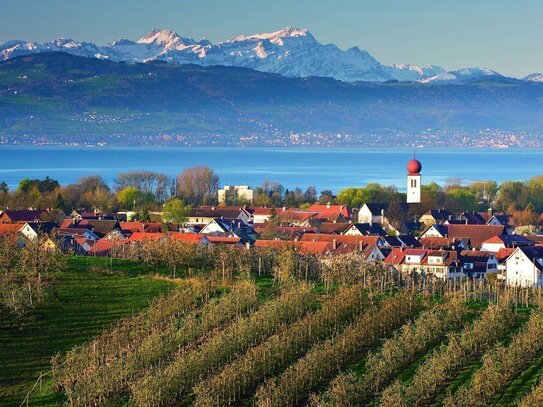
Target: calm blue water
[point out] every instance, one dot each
(329, 168)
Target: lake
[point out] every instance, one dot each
(325, 168)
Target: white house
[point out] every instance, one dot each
(373, 213)
(524, 267)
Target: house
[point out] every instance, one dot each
(503, 220)
(333, 228)
(476, 234)
(273, 231)
(478, 264)
(205, 214)
(434, 216)
(376, 213)
(365, 229)
(472, 218)
(367, 245)
(444, 243)
(373, 213)
(315, 248)
(30, 215)
(135, 226)
(331, 213)
(232, 228)
(524, 267)
(443, 264)
(496, 243)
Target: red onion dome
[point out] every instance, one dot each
(414, 166)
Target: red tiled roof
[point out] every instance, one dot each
(328, 210)
(150, 227)
(186, 237)
(320, 237)
(317, 248)
(476, 233)
(436, 242)
(223, 239)
(10, 228)
(139, 236)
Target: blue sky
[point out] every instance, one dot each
(504, 35)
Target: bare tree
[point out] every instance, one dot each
(146, 181)
(198, 185)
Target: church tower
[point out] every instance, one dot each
(413, 181)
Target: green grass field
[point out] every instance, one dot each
(81, 303)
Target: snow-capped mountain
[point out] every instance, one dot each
(460, 75)
(290, 52)
(535, 77)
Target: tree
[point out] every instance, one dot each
(175, 211)
(198, 185)
(512, 196)
(4, 187)
(158, 185)
(129, 198)
(326, 197)
(274, 218)
(527, 217)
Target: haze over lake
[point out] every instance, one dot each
(330, 168)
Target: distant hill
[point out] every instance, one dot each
(71, 96)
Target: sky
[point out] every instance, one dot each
(503, 35)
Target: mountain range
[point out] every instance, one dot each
(291, 52)
(56, 97)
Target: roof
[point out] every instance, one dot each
(28, 215)
(10, 228)
(103, 247)
(216, 212)
(510, 240)
(476, 233)
(436, 242)
(151, 227)
(473, 218)
(140, 236)
(333, 227)
(504, 253)
(317, 248)
(476, 256)
(223, 239)
(319, 237)
(330, 212)
(438, 214)
(409, 240)
(376, 208)
(186, 237)
(370, 229)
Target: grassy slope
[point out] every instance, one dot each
(81, 304)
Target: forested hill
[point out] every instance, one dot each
(70, 96)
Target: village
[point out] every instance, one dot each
(439, 243)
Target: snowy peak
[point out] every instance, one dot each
(535, 77)
(277, 36)
(461, 75)
(291, 51)
(165, 38)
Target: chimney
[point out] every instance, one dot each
(334, 244)
(328, 204)
(360, 245)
